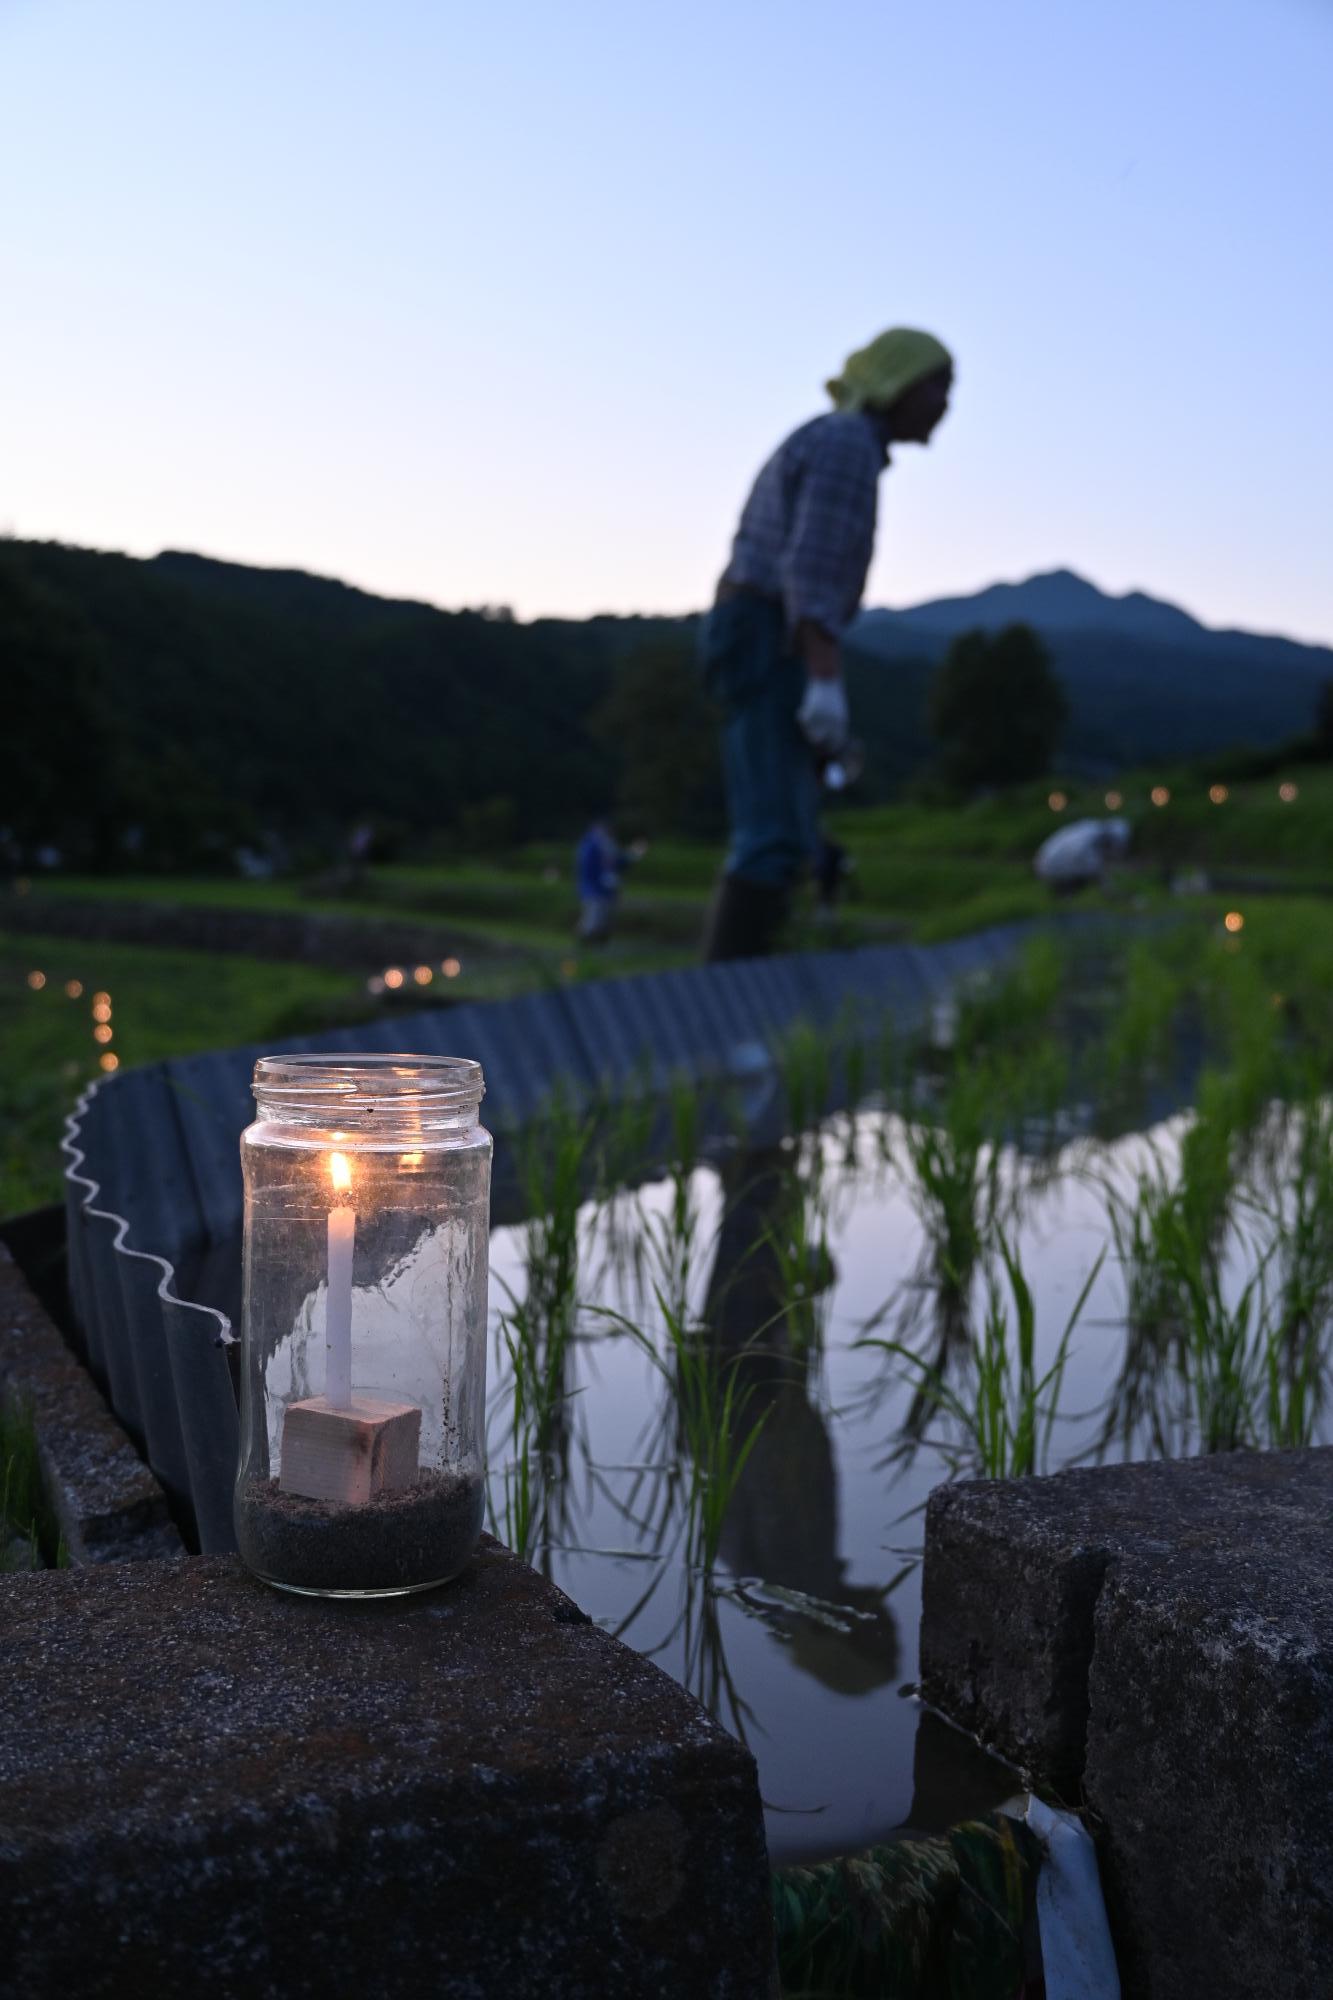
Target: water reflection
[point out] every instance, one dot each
(781, 1525)
(800, 1626)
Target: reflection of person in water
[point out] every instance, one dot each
(782, 1523)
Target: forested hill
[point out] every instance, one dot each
(174, 708)
(205, 701)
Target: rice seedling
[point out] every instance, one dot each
(1016, 1010)
(539, 1356)
(1248, 1029)
(795, 1237)
(683, 1106)
(624, 1146)
(806, 1071)
(1294, 1384)
(954, 1159)
(1289, 1193)
(515, 1520)
(855, 1069)
(1224, 1354)
(529, 1485)
(1300, 1221)
(1037, 1087)
(771, 1258)
(1147, 1004)
(539, 1327)
(717, 1435)
(1007, 1414)
(554, 1157)
(1153, 1313)
(892, 1056)
(668, 1239)
(624, 1129)
(553, 1163)
(709, 1414)
(1212, 1153)
(1008, 1077)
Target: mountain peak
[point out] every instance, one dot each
(1057, 600)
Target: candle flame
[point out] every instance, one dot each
(340, 1171)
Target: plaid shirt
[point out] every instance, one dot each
(807, 531)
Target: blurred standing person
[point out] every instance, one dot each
(771, 647)
(599, 863)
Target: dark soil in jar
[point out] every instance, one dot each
(420, 1535)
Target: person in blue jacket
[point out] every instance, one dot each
(771, 645)
(599, 863)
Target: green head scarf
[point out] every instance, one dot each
(880, 372)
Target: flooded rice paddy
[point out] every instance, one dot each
(720, 1401)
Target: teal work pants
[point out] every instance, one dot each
(772, 785)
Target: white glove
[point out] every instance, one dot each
(823, 715)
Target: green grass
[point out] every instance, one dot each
(932, 871)
(512, 930)
(164, 1003)
(25, 1512)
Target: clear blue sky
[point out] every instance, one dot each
(507, 302)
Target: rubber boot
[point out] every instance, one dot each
(745, 919)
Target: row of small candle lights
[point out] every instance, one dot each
(101, 1015)
(1160, 795)
(394, 977)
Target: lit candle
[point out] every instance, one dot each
(338, 1315)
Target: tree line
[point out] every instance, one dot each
(172, 711)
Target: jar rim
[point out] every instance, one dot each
(316, 1078)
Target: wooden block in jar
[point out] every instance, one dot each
(348, 1456)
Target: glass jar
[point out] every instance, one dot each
(367, 1209)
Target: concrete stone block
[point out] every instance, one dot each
(1014, 1569)
(1210, 1766)
(106, 1500)
(1157, 1642)
(1009, 1588)
(209, 1789)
